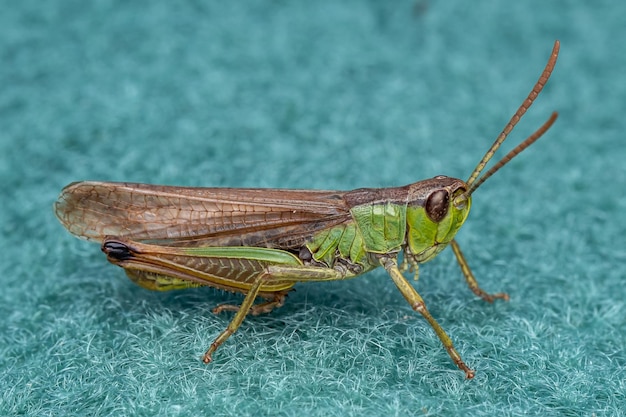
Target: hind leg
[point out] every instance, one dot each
(272, 273)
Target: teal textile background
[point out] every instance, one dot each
(329, 95)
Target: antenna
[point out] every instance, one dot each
(473, 182)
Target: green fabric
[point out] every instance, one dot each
(327, 95)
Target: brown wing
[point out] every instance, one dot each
(198, 216)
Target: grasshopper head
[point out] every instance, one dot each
(436, 211)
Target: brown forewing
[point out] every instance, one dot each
(198, 216)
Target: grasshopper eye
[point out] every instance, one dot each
(437, 205)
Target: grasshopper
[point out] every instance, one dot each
(261, 242)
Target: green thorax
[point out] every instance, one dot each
(340, 242)
(374, 228)
(421, 218)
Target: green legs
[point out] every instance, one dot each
(272, 273)
(276, 273)
(417, 303)
(469, 277)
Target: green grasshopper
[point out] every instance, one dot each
(261, 242)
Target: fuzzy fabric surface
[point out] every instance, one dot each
(323, 95)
